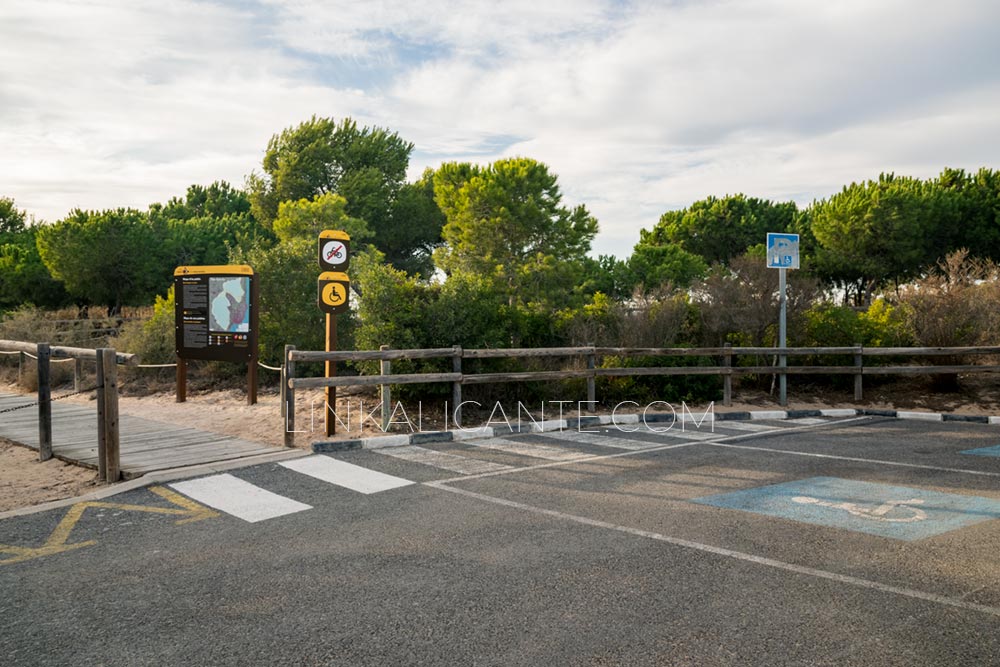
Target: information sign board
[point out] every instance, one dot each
(216, 312)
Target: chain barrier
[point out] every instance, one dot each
(54, 398)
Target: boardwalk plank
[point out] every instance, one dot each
(146, 445)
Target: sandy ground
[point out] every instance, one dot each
(24, 481)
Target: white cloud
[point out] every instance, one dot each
(638, 107)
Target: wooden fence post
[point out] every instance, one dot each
(727, 378)
(283, 386)
(78, 374)
(21, 361)
(44, 402)
(385, 368)
(456, 387)
(859, 364)
(102, 437)
(182, 380)
(109, 362)
(289, 420)
(592, 378)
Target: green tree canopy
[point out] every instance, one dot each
(12, 220)
(217, 200)
(719, 229)
(507, 222)
(366, 166)
(656, 265)
(107, 257)
(305, 219)
(973, 219)
(876, 232)
(23, 277)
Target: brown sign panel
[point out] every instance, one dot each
(216, 312)
(334, 250)
(334, 292)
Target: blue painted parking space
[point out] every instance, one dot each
(896, 512)
(984, 451)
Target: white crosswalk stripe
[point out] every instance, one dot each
(526, 449)
(238, 497)
(345, 474)
(443, 460)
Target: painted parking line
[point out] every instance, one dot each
(611, 440)
(984, 451)
(239, 498)
(747, 426)
(896, 512)
(958, 603)
(687, 434)
(345, 474)
(444, 460)
(809, 421)
(526, 449)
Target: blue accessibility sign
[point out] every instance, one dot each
(984, 451)
(897, 512)
(782, 251)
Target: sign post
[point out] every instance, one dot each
(782, 254)
(215, 318)
(333, 297)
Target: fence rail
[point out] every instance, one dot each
(106, 361)
(587, 356)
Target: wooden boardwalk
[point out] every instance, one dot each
(146, 445)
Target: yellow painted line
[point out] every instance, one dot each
(196, 510)
(56, 542)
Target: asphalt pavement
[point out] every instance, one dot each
(862, 541)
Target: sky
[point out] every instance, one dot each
(638, 107)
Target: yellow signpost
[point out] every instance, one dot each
(333, 297)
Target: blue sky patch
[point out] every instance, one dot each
(896, 512)
(984, 451)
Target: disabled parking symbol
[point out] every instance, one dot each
(897, 512)
(891, 511)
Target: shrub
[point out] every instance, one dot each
(881, 325)
(153, 340)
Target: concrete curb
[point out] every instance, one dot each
(158, 477)
(581, 424)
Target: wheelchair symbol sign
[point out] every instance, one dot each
(782, 251)
(334, 296)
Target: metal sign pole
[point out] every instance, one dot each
(782, 360)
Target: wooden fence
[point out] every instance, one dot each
(106, 361)
(587, 367)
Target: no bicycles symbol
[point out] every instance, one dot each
(334, 250)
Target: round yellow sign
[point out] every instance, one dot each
(334, 294)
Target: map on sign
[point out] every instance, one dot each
(229, 304)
